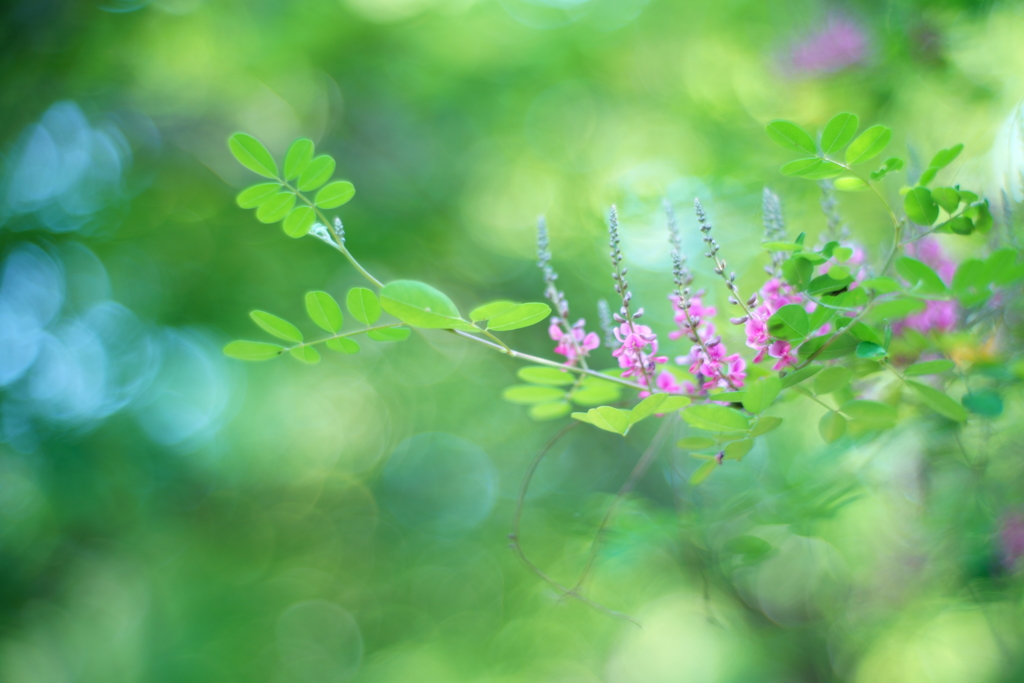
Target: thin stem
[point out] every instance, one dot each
(342, 335)
(338, 239)
(554, 364)
(641, 467)
(517, 517)
(897, 223)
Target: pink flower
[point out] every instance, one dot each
(633, 354)
(840, 44)
(576, 346)
(1011, 538)
(938, 316)
(784, 352)
(720, 369)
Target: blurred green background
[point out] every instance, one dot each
(169, 515)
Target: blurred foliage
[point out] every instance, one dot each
(168, 514)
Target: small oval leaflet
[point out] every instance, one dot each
(389, 334)
(252, 197)
(695, 443)
(838, 132)
(920, 207)
(298, 157)
(868, 145)
(251, 153)
(521, 315)
(789, 322)
(715, 418)
(343, 345)
(790, 136)
(488, 311)
(831, 426)
(525, 394)
(550, 411)
(306, 354)
(832, 379)
(938, 401)
(419, 305)
(334, 195)
(275, 208)
(324, 311)
(702, 472)
(317, 173)
(279, 327)
(538, 374)
(362, 303)
(760, 393)
(929, 367)
(299, 221)
(250, 350)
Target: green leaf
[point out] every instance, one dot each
(823, 284)
(525, 394)
(798, 272)
(781, 246)
(389, 334)
(538, 374)
(891, 164)
(760, 393)
(946, 156)
(938, 401)
(695, 443)
(871, 414)
(343, 345)
(789, 322)
(252, 197)
(831, 426)
(488, 311)
(961, 225)
(596, 393)
(920, 207)
(851, 184)
(947, 198)
(870, 350)
(306, 354)
(673, 403)
(868, 334)
(821, 315)
(844, 345)
(812, 169)
(838, 132)
(839, 273)
(927, 176)
(702, 472)
(790, 136)
(929, 367)
(279, 327)
(334, 195)
(868, 145)
(299, 221)
(250, 350)
(298, 157)
(317, 173)
(882, 285)
(275, 208)
(896, 309)
(646, 407)
(362, 303)
(800, 375)
(251, 153)
(715, 418)
(923, 280)
(607, 418)
(765, 424)
(832, 379)
(324, 311)
(985, 403)
(550, 411)
(520, 315)
(737, 449)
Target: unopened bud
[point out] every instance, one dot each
(740, 320)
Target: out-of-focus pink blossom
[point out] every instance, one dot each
(1011, 539)
(774, 295)
(715, 365)
(576, 346)
(841, 43)
(939, 316)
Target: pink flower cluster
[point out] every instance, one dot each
(708, 357)
(839, 44)
(774, 295)
(575, 344)
(940, 316)
(633, 354)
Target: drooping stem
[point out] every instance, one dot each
(641, 467)
(514, 535)
(342, 335)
